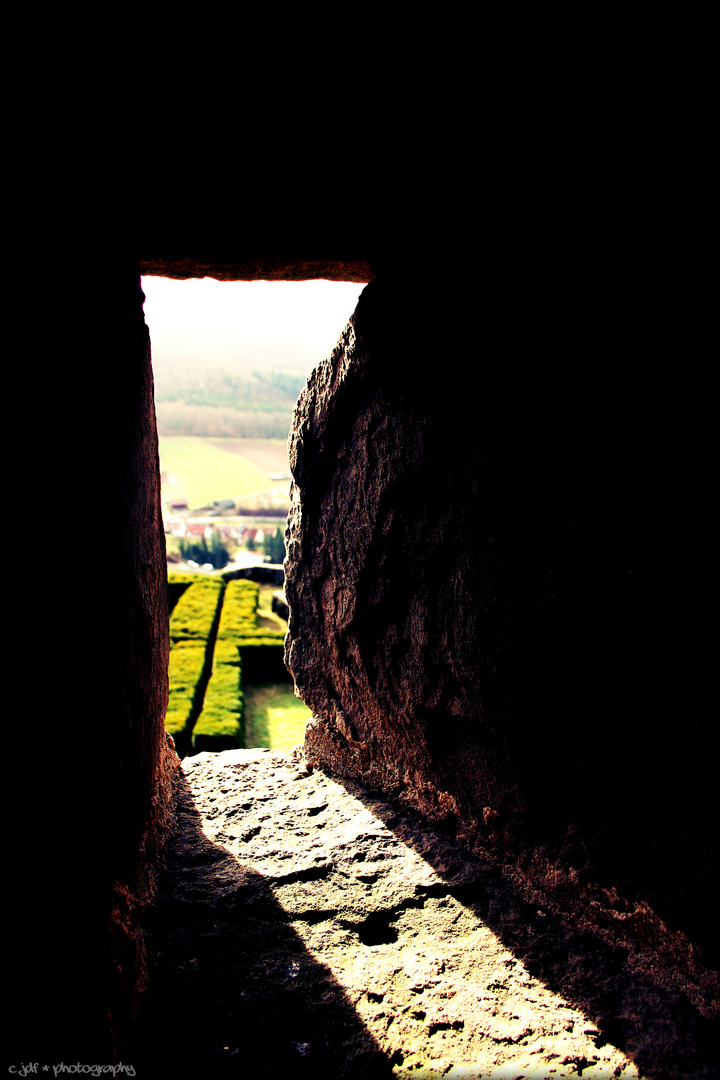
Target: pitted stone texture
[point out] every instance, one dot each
(309, 928)
(264, 268)
(490, 614)
(396, 623)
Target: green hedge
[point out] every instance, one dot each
(192, 623)
(241, 650)
(263, 657)
(194, 614)
(239, 612)
(261, 650)
(261, 637)
(185, 670)
(220, 724)
(178, 582)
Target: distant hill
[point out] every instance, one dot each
(227, 362)
(231, 399)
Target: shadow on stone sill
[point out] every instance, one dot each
(233, 991)
(661, 1009)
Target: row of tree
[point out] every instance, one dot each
(197, 384)
(192, 398)
(198, 550)
(179, 418)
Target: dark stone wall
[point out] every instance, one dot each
(494, 557)
(497, 576)
(93, 778)
(322, 259)
(94, 796)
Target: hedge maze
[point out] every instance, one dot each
(215, 641)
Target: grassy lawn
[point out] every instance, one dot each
(205, 472)
(274, 717)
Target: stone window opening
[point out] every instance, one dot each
(498, 600)
(376, 626)
(240, 332)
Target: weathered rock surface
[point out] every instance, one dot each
(265, 267)
(392, 579)
(308, 928)
(93, 755)
(491, 610)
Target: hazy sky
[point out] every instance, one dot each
(294, 318)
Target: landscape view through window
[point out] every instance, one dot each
(229, 361)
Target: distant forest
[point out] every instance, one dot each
(194, 399)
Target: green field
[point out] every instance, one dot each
(274, 717)
(269, 455)
(202, 471)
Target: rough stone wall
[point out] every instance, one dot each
(491, 616)
(265, 267)
(561, 509)
(95, 776)
(387, 604)
(141, 795)
(143, 762)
